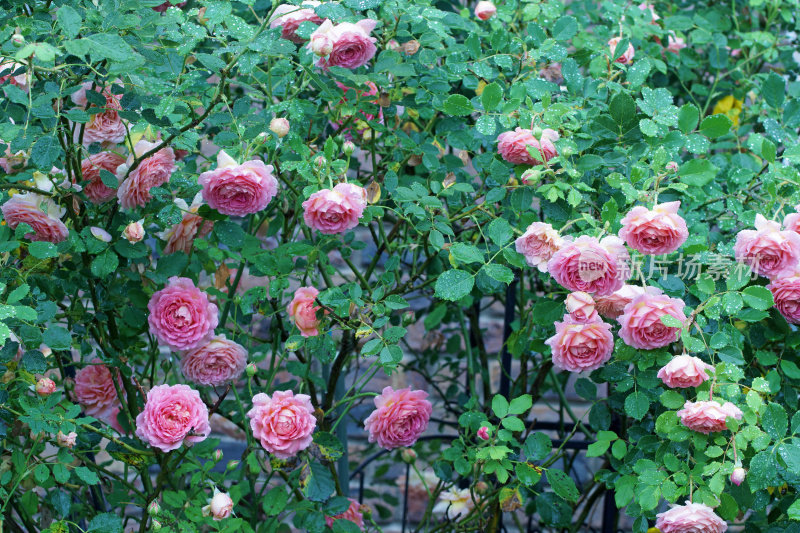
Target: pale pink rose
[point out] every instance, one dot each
(153, 171)
(351, 44)
(399, 418)
(627, 57)
(644, 6)
(454, 503)
(289, 17)
(552, 73)
(100, 234)
(485, 10)
(79, 97)
(353, 514)
(220, 506)
(283, 423)
(166, 5)
(786, 294)
(133, 232)
(538, 244)
(95, 189)
(68, 440)
(580, 306)
(690, 518)
(738, 475)
(767, 250)
(215, 363)
(611, 306)
(38, 211)
(513, 146)
(303, 310)
(336, 210)
(173, 415)
(238, 190)
(106, 126)
(641, 321)
(675, 44)
(14, 74)
(321, 44)
(181, 316)
(685, 371)
(181, 236)
(708, 416)
(483, 433)
(792, 221)
(95, 391)
(45, 387)
(279, 126)
(585, 264)
(581, 346)
(656, 231)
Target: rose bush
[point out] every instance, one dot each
(330, 239)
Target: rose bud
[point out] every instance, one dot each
(580, 306)
(321, 44)
(66, 441)
(221, 506)
(279, 126)
(393, 45)
(738, 475)
(408, 455)
(18, 39)
(531, 176)
(410, 48)
(133, 232)
(481, 487)
(156, 525)
(251, 370)
(45, 387)
(320, 161)
(232, 465)
(153, 508)
(217, 455)
(485, 10)
(483, 433)
(348, 148)
(672, 166)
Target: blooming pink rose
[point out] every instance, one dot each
(95, 391)
(337, 210)
(45, 387)
(215, 363)
(353, 514)
(690, 518)
(399, 419)
(483, 433)
(14, 74)
(641, 321)
(133, 232)
(538, 244)
(153, 171)
(513, 146)
(350, 44)
(738, 475)
(684, 371)
(581, 346)
(40, 212)
(627, 57)
(181, 316)
(173, 415)
(485, 10)
(675, 44)
(786, 294)
(283, 423)
(106, 126)
(181, 236)
(653, 232)
(769, 251)
(95, 189)
(552, 73)
(68, 440)
(611, 306)
(585, 264)
(221, 505)
(303, 310)
(289, 17)
(580, 306)
(238, 190)
(708, 416)
(792, 221)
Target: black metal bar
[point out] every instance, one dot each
(505, 358)
(405, 497)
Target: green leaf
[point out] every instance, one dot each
(622, 108)
(500, 231)
(86, 475)
(453, 285)
(362, 5)
(520, 405)
(697, 172)
(34, 362)
(466, 253)
(42, 249)
(637, 405)
(329, 446)
(563, 485)
(104, 264)
(758, 297)
(794, 510)
(319, 485)
(106, 523)
(229, 233)
(457, 105)
(688, 117)
(57, 338)
(527, 474)
(275, 501)
(491, 96)
(596, 449)
(513, 423)
(41, 473)
(45, 151)
(715, 126)
(774, 90)
(69, 20)
(774, 421)
(18, 294)
(499, 406)
(671, 322)
(499, 273)
(565, 28)
(537, 446)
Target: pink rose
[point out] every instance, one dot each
(215, 363)
(14, 74)
(611, 306)
(289, 18)
(738, 475)
(690, 518)
(303, 310)
(153, 171)
(653, 232)
(173, 415)
(68, 440)
(580, 306)
(95, 391)
(95, 189)
(641, 321)
(335, 211)
(351, 45)
(283, 423)
(538, 244)
(579, 346)
(133, 232)
(769, 251)
(40, 212)
(552, 73)
(483, 433)
(45, 387)
(786, 293)
(513, 146)
(181, 236)
(627, 57)
(675, 44)
(684, 371)
(238, 190)
(708, 417)
(220, 506)
(181, 316)
(485, 10)
(589, 265)
(353, 514)
(792, 221)
(399, 418)
(106, 126)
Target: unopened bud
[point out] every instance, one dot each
(155, 525)
(408, 455)
(672, 166)
(481, 487)
(66, 441)
(320, 161)
(279, 126)
(738, 475)
(348, 148)
(133, 232)
(483, 433)
(410, 48)
(153, 508)
(531, 176)
(409, 317)
(18, 39)
(45, 387)
(393, 45)
(251, 370)
(232, 465)
(537, 132)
